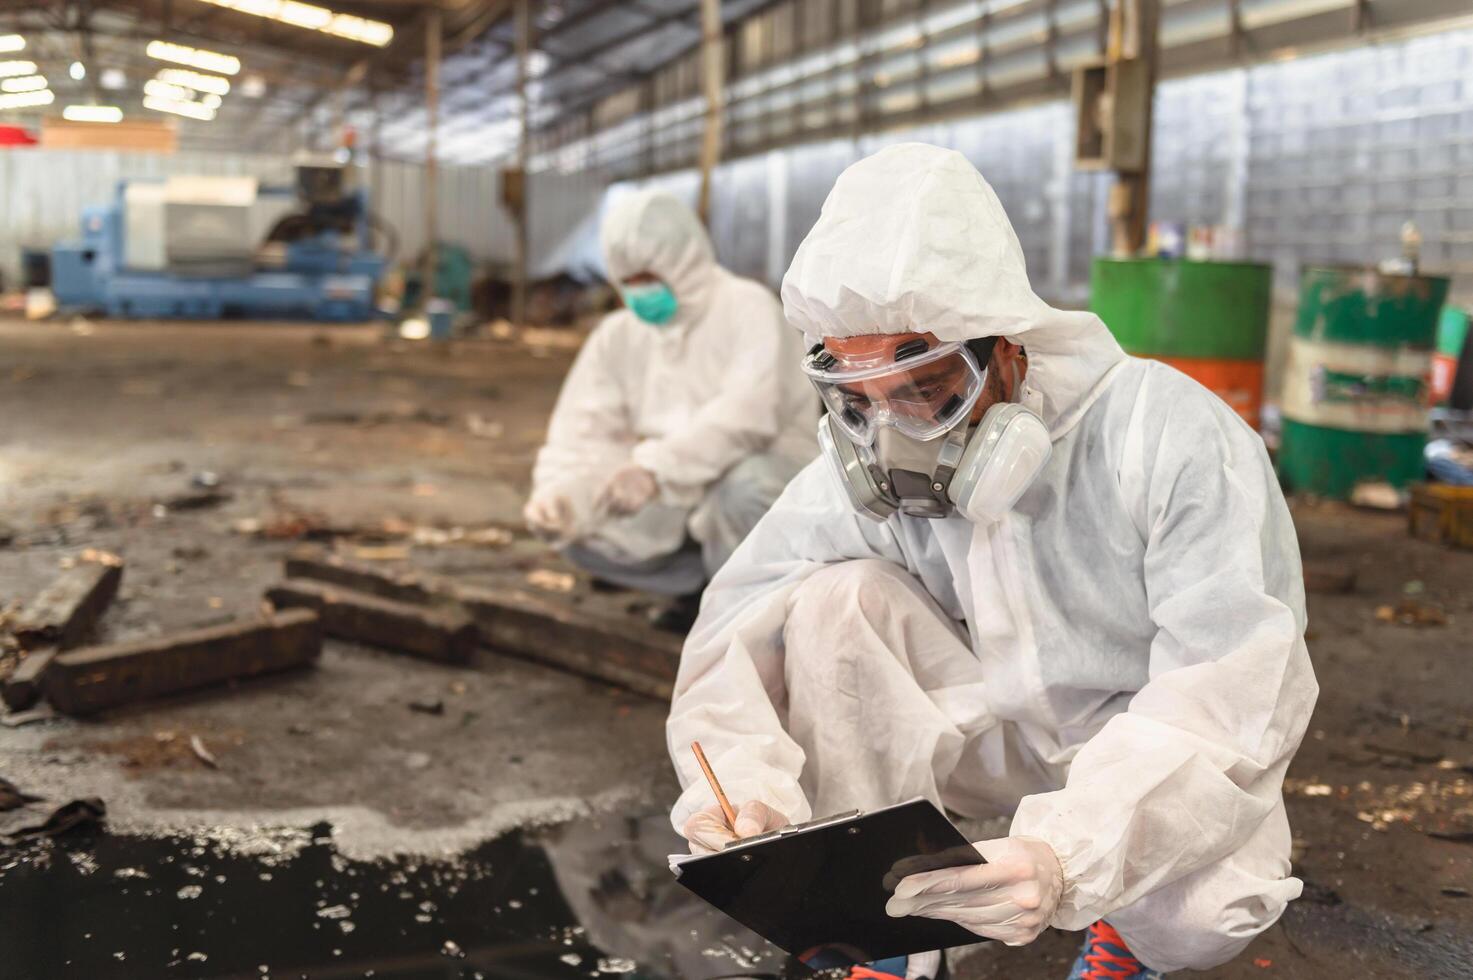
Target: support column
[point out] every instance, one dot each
(519, 282)
(433, 29)
(713, 78)
(1130, 198)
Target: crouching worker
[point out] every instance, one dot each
(1030, 576)
(683, 417)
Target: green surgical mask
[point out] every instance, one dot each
(653, 303)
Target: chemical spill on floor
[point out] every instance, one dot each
(584, 899)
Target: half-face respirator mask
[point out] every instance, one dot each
(897, 430)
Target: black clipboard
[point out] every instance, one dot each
(818, 890)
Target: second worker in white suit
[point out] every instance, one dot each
(683, 417)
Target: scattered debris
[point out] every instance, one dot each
(12, 798)
(381, 552)
(197, 745)
(444, 634)
(551, 581)
(41, 712)
(483, 428)
(195, 500)
(1377, 496)
(401, 414)
(1410, 745)
(87, 680)
(1328, 577)
(1411, 612)
(1453, 891)
(86, 812)
(428, 707)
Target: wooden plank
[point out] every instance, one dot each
(444, 634)
(92, 678)
(550, 632)
(632, 656)
(66, 610)
(401, 585)
(23, 687)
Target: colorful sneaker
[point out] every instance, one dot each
(1106, 957)
(896, 969)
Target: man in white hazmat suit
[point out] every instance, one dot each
(682, 418)
(1074, 596)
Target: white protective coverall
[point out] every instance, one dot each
(713, 404)
(1119, 662)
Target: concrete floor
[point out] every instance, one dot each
(102, 425)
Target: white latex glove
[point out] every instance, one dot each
(549, 515)
(1011, 898)
(707, 832)
(627, 491)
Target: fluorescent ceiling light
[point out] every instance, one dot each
(12, 42)
(314, 18)
(78, 71)
(191, 109)
(24, 100)
(12, 69)
(113, 79)
(213, 84)
(210, 101)
(180, 54)
(163, 90)
(28, 83)
(92, 113)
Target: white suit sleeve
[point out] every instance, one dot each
(730, 693)
(746, 413)
(1190, 770)
(590, 424)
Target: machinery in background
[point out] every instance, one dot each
(211, 247)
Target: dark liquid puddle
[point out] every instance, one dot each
(585, 899)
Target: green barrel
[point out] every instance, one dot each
(1356, 382)
(1207, 319)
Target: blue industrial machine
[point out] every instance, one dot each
(211, 247)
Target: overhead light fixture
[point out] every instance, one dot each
(314, 18)
(193, 110)
(12, 42)
(92, 113)
(213, 84)
(25, 100)
(180, 54)
(77, 70)
(113, 79)
(13, 69)
(210, 101)
(26, 83)
(163, 90)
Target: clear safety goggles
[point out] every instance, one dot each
(920, 389)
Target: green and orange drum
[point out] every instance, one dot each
(1207, 319)
(1356, 393)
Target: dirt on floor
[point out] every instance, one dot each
(202, 453)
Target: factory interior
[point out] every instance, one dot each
(288, 296)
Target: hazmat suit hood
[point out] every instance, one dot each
(914, 239)
(653, 231)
